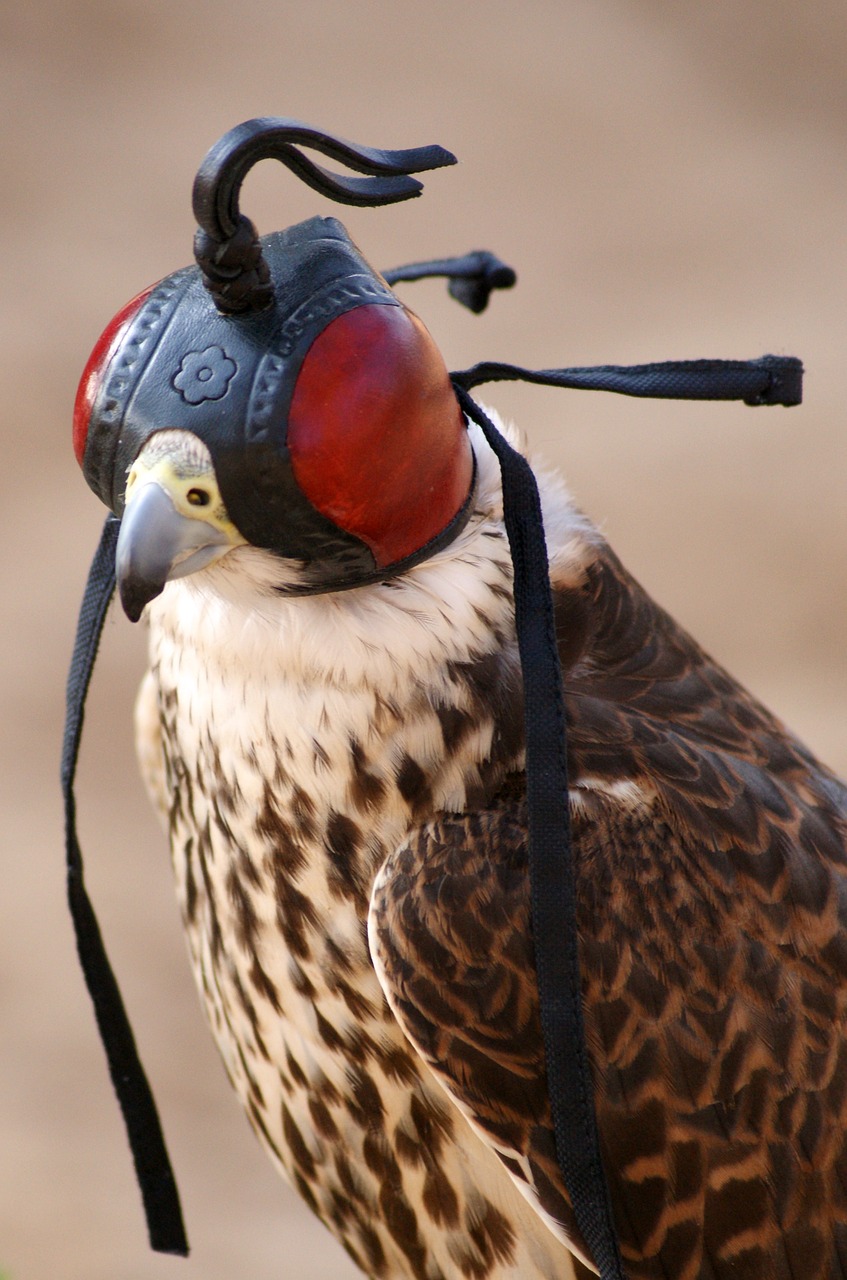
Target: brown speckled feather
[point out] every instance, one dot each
(711, 859)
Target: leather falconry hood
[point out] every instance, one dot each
(338, 438)
(326, 406)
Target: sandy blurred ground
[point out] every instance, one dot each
(669, 181)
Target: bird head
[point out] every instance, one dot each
(308, 413)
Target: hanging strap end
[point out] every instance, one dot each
(171, 1241)
(784, 384)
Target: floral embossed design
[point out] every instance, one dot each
(204, 375)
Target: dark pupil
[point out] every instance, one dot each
(198, 497)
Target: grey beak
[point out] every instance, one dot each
(156, 543)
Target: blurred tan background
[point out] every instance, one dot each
(669, 181)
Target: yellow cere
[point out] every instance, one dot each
(181, 465)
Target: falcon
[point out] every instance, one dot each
(336, 748)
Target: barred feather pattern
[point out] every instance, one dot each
(341, 781)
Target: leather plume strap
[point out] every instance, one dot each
(226, 246)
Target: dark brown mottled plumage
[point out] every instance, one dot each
(712, 914)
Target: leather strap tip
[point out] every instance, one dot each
(171, 1250)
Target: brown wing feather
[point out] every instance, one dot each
(712, 903)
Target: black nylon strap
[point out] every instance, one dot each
(152, 1166)
(550, 858)
(768, 380)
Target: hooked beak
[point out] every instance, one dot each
(157, 543)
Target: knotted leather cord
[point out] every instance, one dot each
(770, 380)
(471, 277)
(152, 1166)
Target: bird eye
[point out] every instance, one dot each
(198, 497)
